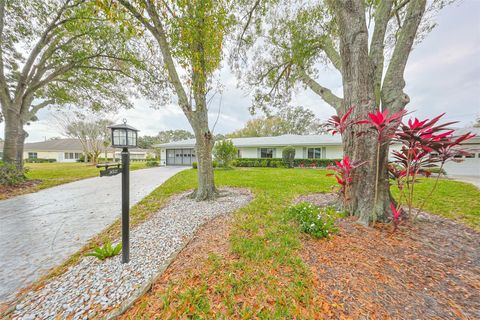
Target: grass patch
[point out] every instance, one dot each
(54, 174)
(452, 199)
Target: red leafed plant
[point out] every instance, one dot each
(424, 144)
(344, 175)
(396, 216)
(338, 124)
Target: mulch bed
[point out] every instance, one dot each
(428, 270)
(7, 192)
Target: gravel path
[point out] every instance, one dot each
(92, 288)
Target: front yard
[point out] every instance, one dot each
(46, 175)
(258, 264)
(255, 265)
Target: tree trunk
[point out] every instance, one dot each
(358, 90)
(203, 148)
(12, 126)
(22, 135)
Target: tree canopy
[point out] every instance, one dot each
(286, 120)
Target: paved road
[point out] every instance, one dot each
(40, 230)
(470, 179)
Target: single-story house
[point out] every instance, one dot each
(307, 147)
(70, 150)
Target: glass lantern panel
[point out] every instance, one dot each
(132, 138)
(119, 137)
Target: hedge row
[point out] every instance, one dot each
(278, 163)
(40, 160)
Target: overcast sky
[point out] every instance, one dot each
(442, 75)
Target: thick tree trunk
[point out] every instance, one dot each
(358, 90)
(203, 148)
(22, 135)
(12, 132)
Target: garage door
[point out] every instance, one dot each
(180, 157)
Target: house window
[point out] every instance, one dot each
(266, 153)
(314, 153)
(470, 155)
(32, 155)
(72, 155)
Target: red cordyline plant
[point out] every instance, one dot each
(424, 144)
(338, 124)
(344, 175)
(384, 125)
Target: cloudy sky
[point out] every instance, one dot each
(442, 75)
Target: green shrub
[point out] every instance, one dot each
(106, 251)
(40, 160)
(314, 220)
(436, 170)
(10, 175)
(224, 152)
(288, 156)
(195, 164)
(279, 163)
(151, 163)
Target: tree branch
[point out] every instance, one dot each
(35, 108)
(331, 52)
(393, 84)
(325, 93)
(382, 16)
(4, 93)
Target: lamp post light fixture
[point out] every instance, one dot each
(125, 136)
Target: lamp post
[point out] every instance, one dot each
(125, 136)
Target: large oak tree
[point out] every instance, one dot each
(57, 52)
(367, 42)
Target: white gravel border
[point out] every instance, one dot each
(94, 288)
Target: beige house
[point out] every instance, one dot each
(70, 150)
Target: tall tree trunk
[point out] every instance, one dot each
(358, 90)
(12, 126)
(203, 148)
(22, 135)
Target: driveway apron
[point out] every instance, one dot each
(40, 230)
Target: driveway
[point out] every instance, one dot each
(40, 230)
(470, 179)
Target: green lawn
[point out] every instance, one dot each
(267, 267)
(53, 174)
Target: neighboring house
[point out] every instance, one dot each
(308, 147)
(470, 165)
(70, 150)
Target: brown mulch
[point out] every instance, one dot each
(428, 270)
(7, 192)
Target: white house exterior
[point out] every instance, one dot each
(309, 147)
(70, 150)
(312, 146)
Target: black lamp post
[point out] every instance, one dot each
(125, 136)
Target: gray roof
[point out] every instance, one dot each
(278, 141)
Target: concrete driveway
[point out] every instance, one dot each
(470, 179)
(40, 230)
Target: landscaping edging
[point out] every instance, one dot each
(92, 289)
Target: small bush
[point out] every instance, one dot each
(10, 175)
(316, 221)
(195, 164)
(278, 163)
(151, 163)
(106, 251)
(288, 156)
(224, 152)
